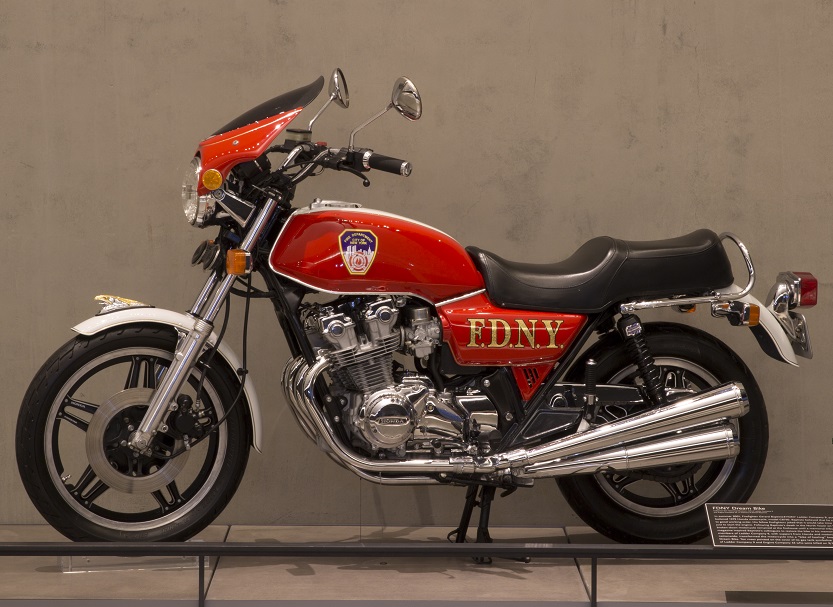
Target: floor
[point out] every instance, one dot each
(404, 582)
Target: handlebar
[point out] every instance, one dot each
(363, 160)
(358, 161)
(388, 164)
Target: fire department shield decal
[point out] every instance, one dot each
(358, 250)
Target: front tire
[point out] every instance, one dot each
(71, 441)
(666, 505)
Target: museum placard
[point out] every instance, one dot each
(770, 525)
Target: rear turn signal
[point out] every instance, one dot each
(754, 315)
(238, 262)
(738, 313)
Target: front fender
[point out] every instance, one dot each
(177, 320)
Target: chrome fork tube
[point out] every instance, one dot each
(190, 346)
(203, 296)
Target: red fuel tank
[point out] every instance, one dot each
(341, 249)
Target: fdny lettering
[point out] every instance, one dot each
(521, 334)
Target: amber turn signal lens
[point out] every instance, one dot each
(754, 315)
(238, 262)
(212, 179)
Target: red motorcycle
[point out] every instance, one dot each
(414, 360)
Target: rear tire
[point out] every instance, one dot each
(666, 505)
(71, 448)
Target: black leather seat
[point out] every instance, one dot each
(605, 271)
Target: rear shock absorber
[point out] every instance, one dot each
(630, 328)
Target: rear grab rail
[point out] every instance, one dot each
(716, 297)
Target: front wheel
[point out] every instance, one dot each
(72, 432)
(666, 504)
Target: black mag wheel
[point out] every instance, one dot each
(666, 504)
(72, 433)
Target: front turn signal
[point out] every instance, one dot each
(212, 179)
(238, 262)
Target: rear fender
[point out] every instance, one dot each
(183, 322)
(771, 335)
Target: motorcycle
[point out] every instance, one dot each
(413, 360)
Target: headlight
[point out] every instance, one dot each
(197, 208)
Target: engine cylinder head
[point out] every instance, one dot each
(339, 330)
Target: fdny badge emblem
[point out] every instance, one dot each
(358, 250)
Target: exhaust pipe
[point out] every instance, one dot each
(293, 366)
(683, 448)
(727, 401)
(682, 432)
(294, 372)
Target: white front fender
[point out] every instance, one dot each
(169, 318)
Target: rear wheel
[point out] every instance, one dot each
(666, 504)
(72, 433)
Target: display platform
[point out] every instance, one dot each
(406, 582)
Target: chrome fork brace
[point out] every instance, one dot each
(190, 346)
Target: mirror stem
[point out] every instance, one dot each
(364, 124)
(321, 111)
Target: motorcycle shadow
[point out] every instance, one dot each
(447, 566)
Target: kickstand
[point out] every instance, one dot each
(487, 495)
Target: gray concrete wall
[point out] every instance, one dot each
(545, 124)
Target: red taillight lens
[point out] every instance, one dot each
(809, 286)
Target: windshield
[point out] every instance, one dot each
(298, 98)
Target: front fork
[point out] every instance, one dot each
(190, 347)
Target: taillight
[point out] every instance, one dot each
(792, 290)
(808, 289)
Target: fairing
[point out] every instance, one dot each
(248, 136)
(299, 98)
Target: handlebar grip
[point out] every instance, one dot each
(387, 164)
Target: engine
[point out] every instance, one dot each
(389, 411)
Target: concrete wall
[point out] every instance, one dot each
(545, 124)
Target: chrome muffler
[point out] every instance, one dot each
(684, 448)
(693, 429)
(728, 401)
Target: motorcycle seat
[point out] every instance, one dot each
(605, 271)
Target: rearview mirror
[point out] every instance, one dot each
(406, 99)
(337, 92)
(338, 89)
